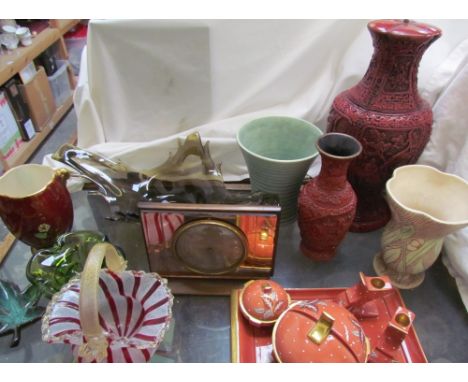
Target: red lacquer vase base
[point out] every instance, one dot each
(314, 255)
(367, 220)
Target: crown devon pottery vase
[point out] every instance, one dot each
(426, 205)
(386, 114)
(327, 204)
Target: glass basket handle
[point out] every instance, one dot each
(96, 343)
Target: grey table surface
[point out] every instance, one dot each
(203, 322)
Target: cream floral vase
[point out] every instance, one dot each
(426, 205)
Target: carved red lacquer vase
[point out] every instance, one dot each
(385, 112)
(327, 203)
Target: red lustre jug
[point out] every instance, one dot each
(35, 204)
(327, 204)
(386, 114)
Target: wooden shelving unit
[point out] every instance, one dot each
(63, 25)
(12, 63)
(5, 245)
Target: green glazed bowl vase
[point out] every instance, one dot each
(278, 152)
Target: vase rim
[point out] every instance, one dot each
(313, 128)
(343, 137)
(391, 194)
(400, 28)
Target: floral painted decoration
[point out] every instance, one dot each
(263, 301)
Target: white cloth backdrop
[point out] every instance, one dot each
(144, 84)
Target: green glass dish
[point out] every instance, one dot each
(51, 268)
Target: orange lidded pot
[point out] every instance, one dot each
(262, 302)
(319, 331)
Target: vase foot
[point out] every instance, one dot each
(399, 280)
(321, 256)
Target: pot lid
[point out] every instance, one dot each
(319, 331)
(263, 301)
(404, 28)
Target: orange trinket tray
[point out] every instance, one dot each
(252, 344)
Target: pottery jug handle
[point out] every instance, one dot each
(96, 344)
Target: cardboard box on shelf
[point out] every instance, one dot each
(39, 98)
(20, 109)
(10, 138)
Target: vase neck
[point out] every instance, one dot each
(333, 173)
(390, 83)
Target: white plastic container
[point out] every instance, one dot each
(60, 83)
(75, 49)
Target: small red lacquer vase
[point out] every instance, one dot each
(386, 114)
(327, 203)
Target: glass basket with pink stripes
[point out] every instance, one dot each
(110, 315)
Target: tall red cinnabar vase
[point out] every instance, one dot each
(327, 203)
(385, 112)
